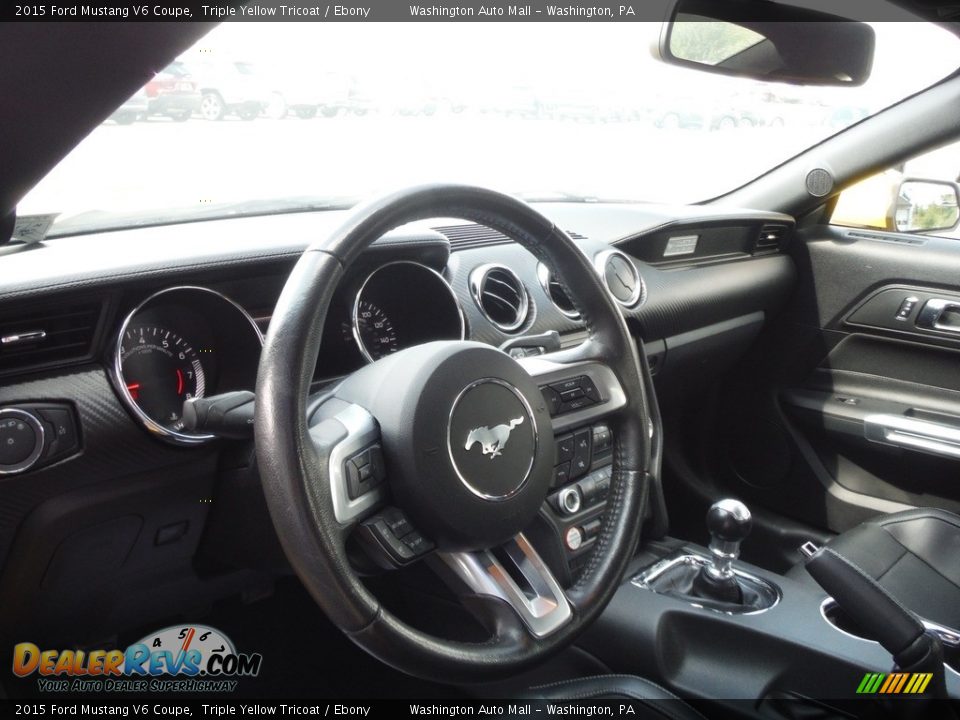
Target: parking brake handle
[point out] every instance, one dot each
(229, 415)
(881, 616)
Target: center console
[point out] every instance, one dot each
(776, 639)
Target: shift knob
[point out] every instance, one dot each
(729, 523)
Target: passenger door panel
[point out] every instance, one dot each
(850, 406)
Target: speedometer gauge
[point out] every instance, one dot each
(375, 332)
(161, 370)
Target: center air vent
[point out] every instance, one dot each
(500, 295)
(770, 237)
(555, 292)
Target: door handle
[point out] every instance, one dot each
(913, 434)
(931, 316)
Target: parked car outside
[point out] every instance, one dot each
(173, 93)
(230, 87)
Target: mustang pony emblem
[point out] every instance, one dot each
(492, 439)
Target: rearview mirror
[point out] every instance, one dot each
(768, 41)
(926, 205)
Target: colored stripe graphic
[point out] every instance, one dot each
(903, 681)
(894, 683)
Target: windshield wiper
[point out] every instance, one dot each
(103, 221)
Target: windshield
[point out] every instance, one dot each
(267, 111)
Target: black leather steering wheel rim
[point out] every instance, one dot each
(294, 475)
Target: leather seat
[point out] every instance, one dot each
(914, 555)
(650, 700)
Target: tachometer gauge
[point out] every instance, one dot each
(374, 331)
(161, 370)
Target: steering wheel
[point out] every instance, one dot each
(444, 453)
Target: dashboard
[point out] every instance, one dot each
(120, 329)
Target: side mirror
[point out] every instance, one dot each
(769, 42)
(926, 205)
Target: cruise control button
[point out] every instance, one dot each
(561, 474)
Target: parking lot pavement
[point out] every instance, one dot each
(164, 164)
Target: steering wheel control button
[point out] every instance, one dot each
(492, 439)
(566, 385)
(570, 500)
(397, 522)
(364, 472)
(417, 543)
(582, 444)
(564, 449)
(561, 474)
(21, 440)
(573, 538)
(589, 389)
(393, 540)
(569, 395)
(602, 439)
(552, 398)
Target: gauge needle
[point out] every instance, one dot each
(186, 642)
(179, 382)
(134, 390)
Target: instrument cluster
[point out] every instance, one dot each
(193, 342)
(178, 344)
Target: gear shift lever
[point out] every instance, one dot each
(729, 523)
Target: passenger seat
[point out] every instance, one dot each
(914, 555)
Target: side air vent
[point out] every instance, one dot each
(472, 235)
(770, 238)
(500, 295)
(31, 337)
(555, 292)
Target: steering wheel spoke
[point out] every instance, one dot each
(348, 441)
(577, 388)
(515, 574)
(391, 541)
